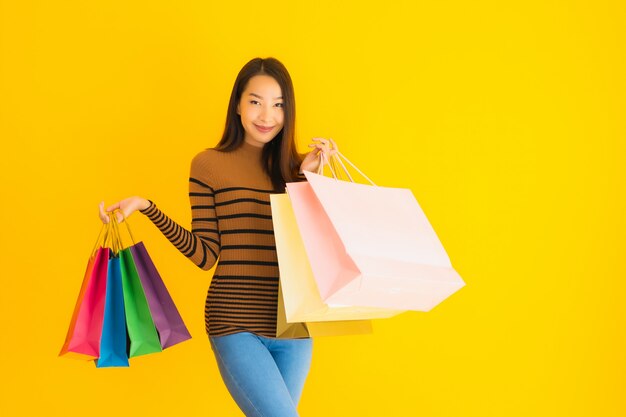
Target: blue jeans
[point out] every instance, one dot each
(264, 376)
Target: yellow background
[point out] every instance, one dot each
(506, 119)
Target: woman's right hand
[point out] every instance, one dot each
(127, 207)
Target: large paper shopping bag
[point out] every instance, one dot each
(113, 343)
(168, 322)
(371, 246)
(286, 330)
(302, 300)
(141, 330)
(83, 336)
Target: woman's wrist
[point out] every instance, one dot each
(144, 204)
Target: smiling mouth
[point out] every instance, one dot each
(264, 127)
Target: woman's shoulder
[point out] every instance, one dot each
(207, 156)
(206, 163)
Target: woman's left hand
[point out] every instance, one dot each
(311, 161)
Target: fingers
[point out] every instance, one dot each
(120, 216)
(325, 142)
(118, 212)
(334, 147)
(103, 216)
(323, 147)
(328, 144)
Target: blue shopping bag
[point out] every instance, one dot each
(113, 343)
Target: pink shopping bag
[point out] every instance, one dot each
(83, 336)
(301, 300)
(370, 245)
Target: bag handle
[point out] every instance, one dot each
(338, 156)
(117, 230)
(112, 237)
(106, 227)
(116, 240)
(324, 161)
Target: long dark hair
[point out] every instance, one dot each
(280, 157)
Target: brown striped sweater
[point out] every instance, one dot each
(231, 219)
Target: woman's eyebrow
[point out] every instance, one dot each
(256, 95)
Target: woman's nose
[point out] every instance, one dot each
(266, 113)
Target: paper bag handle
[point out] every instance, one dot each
(338, 156)
(116, 226)
(116, 240)
(106, 227)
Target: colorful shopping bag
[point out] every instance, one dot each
(302, 300)
(167, 319)
(83, 336)
(370, 245)
(113, 343)
(141, 330)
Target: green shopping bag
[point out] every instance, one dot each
(144, 338)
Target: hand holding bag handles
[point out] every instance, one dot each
(369, 245)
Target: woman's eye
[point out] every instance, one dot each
(279, 104)
(253, 101)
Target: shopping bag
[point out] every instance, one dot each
(113, 343)
(286, 330)
(302, 300)
(167, 319)
(370, 245)
(141, 329)
(83, 336)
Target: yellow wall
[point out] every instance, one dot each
(506, 120)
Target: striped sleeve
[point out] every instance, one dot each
(202, 244)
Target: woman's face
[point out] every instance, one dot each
(261, 110)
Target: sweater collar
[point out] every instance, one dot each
(247, 148)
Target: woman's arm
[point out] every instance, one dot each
(202, 244)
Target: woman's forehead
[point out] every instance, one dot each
(264, 87)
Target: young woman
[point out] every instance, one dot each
(229, 188)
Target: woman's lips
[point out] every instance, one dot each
(264, 129)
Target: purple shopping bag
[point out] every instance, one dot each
(167, 320)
